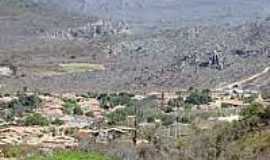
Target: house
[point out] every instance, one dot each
(232, 103)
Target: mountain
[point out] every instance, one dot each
(153, 13)
(174, 12)
(118, 51)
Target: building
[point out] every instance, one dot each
(231, 103)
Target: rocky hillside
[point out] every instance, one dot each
(153, 13)
(156, 13)
(49, 46)
(173, 59)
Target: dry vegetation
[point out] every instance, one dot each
(48, 51)
(167, 59)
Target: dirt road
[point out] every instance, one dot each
(246, 80)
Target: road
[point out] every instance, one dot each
(246, 80)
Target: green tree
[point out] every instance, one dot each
(253, 110)
(117, 116)
(199, 97)
(36, 119)
(70, 106)
(24, 104)
(112, 100)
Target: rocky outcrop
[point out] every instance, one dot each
(91, 30)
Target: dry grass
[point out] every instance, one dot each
(69, 68)
(81, 67)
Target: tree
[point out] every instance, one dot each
(117, 116)
(186, 115)
(112, 100)
(176, 102)
(36, 119)
(24, 104)
(199, 97)
(71, 106)
(253, 110)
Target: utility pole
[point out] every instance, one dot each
(178, 105)
(134, 139)
(162, 100)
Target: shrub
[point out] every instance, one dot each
(146, 111)
(9, 115)
(150, 119)
(148, 132)
(251, 98)
(254, 109)
(104, 101)
(70, 106)
(32, 100)
(125, 94)
(12, 152)
(78, 110)
(36, 119)
(112, 100)
(168, 109)
(266, 114)
(24, 104)
(58, 122)
(89, 114)
(181, 143)
(167, 119)
(70, 131)
(89, 95)
(185, 119)
(199, 97)
(6, 95)
(177, 102)
(116, 116)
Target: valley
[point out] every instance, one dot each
(134, 80)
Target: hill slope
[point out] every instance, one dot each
(37, 38)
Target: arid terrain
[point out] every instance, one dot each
(101, 53)
(134, 80)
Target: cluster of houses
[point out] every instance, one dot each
(82, 128)
(231, 98)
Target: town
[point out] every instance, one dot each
(134, 80)
(64, 121)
